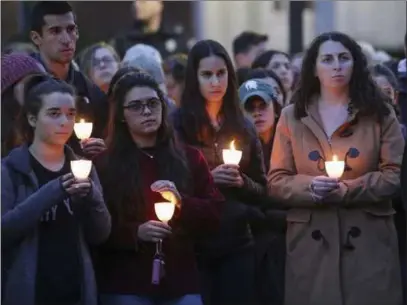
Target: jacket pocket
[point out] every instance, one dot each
(298, 227)
(380, 223)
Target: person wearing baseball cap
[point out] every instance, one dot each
(259, 102)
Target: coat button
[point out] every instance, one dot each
(354, 232)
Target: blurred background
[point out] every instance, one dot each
(290, 25)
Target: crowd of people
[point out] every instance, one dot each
(280, 226)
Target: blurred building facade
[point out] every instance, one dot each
(381, 23)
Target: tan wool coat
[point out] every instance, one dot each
(343, 250)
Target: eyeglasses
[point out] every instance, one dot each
(139, 106)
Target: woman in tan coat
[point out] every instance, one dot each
(341, 240)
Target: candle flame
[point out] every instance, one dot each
(232, 145)
(82, 121)
(335, 158)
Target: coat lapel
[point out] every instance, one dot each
(314, 123)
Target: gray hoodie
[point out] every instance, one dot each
(22, 206)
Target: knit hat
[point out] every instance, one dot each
(16, 66)
(142, 49)
(149, 64)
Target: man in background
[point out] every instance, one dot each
(54, 32)
(246, 47)
(149, 29)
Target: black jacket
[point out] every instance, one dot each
(165, 41)
(241, 204)
(92, 105)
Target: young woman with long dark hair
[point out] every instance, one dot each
(210, 118)
(48, 217)
(341, 240)
(151, 164)
(280, 63)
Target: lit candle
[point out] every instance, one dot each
(81, 168)
(164, 211)
(231, 156)
(83, 130)
(334, 168)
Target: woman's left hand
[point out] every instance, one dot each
(168, 190)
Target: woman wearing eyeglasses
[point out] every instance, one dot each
(149, 164)
(99, 62)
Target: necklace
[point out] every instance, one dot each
(147, 154)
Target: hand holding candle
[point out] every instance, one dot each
(335, 168)
(232, 156)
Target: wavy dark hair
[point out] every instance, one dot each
(263, 60)
(194, 119)
(35, 88)
(122, 152)
(364, 94)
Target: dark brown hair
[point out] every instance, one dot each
(193, 115)
(126, 196)
(364, 94)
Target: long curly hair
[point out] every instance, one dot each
(126, 197)
(364, 94)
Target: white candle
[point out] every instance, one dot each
(83, 130)
(164, 211)
(81, 168)
(335, 168)
(231, 156)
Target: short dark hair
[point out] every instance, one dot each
(382, 70)
(43, 8)
(243, 42)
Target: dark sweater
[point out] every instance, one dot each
(242, 204)
(124, 263)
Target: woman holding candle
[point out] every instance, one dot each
(143, 153)
(48, 216)
(341, 240)
(210, 118)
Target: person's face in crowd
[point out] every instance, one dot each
(262, 114)
(104, 66)
(147, 9)
(245, 60)
(212, 78)
(273, 83)
(142, 111)
(174, 88)
(334, 65)
(281, 65)
(57, 42)
(386, 87)
(55, 121)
